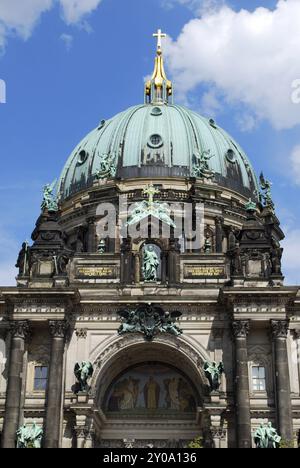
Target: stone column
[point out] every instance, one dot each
(58, 331)
(91, 236)
(282, 378)
(163, 267)
(137, 262)
(219, 235)
(173, 262)
(242, 400)
(297, 338)
(19, 332)
(126, 262)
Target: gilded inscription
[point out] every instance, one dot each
(97, 272)
(197, 271)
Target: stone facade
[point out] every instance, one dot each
(222, 300)
(237, 312)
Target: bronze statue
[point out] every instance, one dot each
(83, 372)
(213, 374)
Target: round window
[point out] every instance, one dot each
(230, 155)
(155, 141)
(82, 157)
(156, 111)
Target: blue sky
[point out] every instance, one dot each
(66, 68)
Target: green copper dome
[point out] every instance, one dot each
(157, 140)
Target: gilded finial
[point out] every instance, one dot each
(159, 89)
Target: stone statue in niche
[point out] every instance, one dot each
(83, 372)
(213, 373)
(267, 437)
(151, 263)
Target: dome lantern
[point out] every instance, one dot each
(159, 89)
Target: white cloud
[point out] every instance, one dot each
(67, 40)
(250, 57)
(8, 273)
(295, 164)
(75, 10)
(291, 257)
(9, 248)
(198, 6)
(19, 17)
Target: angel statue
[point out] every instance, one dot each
(213, 374)
(266, 186)
(107, 166)
(130, 322)
(83, 373)
(169, 323)
(49, 199)
(200, 164)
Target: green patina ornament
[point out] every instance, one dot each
(142, 210)
(49, 199)
(108, 166)
(83, 372)
(266, 196)
(213, 373)
(29, 437)
(250, 206)
(149, 320)
(266, 436)
(200, 165)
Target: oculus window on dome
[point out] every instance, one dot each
(155, 141)
(231, 156)
(82, 157)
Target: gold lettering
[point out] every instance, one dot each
(203, 271)
(97, 272)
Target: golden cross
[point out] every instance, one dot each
(151, 191)
(159, 36)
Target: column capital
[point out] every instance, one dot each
(240, 328)
(279, 328)
(58, 328)
(19, 329)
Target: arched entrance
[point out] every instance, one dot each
(149, 394)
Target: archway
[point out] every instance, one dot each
(150, 394)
